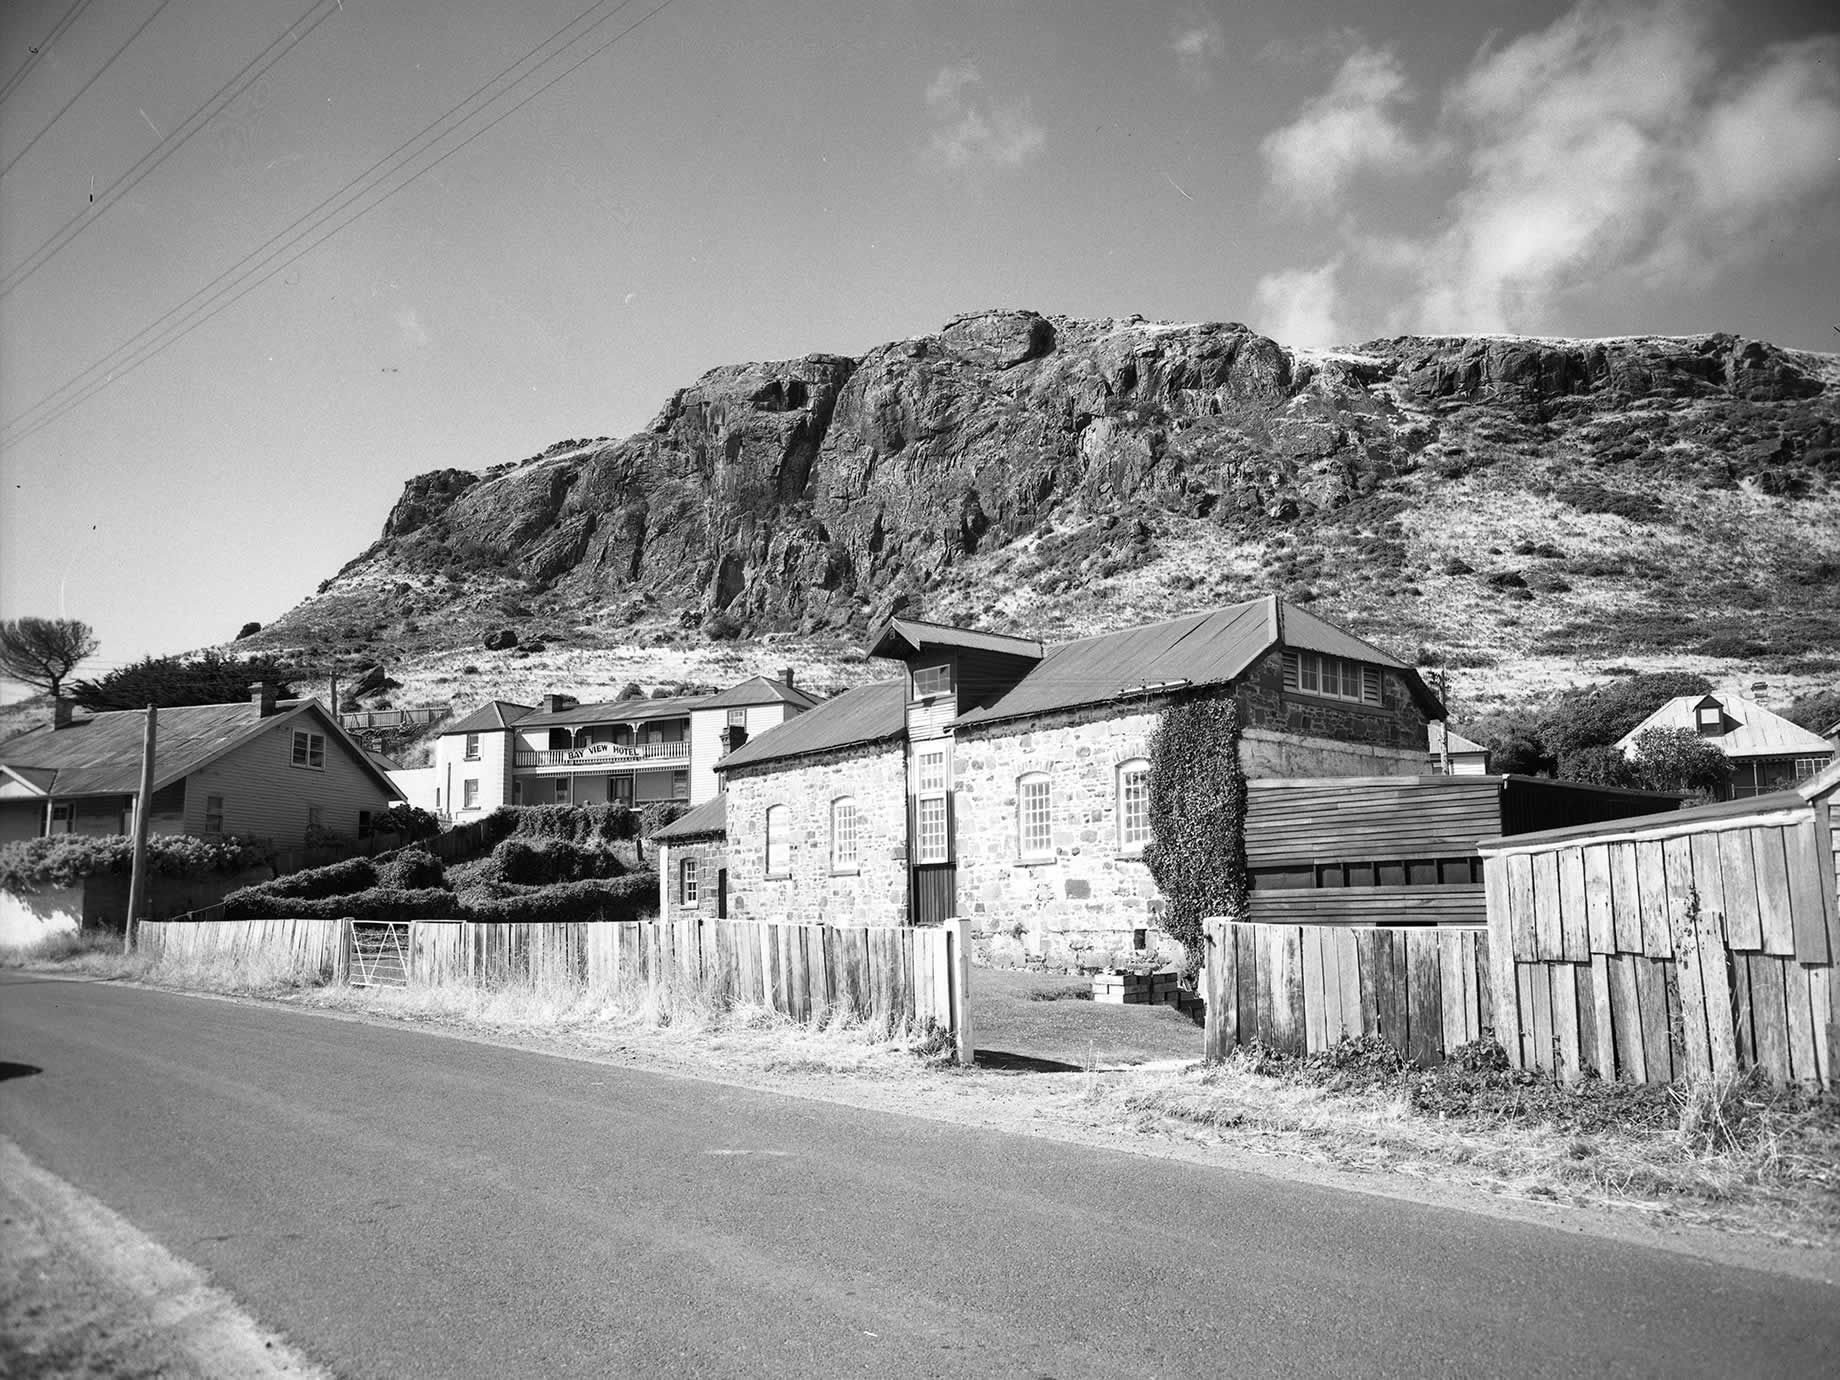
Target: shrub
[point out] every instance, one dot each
(552, 860)
(407, 821)
(1588, 497)
(1678, 759)
(659, 814)
(66, 859)
(1456, 565)
(617, 898)
(413, 869)
(575, 823)
(335, 879)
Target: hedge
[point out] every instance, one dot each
(550, 860)
(601, 824)
(375, 903)
(66, 859)
(334, 879)
(616, 898)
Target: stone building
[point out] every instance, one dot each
(1006, 781)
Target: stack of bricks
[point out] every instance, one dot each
(1135, 989)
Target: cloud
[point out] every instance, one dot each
(971, 133)
(409, 323)
(1297, 306)
(1612, 142)
(1351, 126)
(1198, 45)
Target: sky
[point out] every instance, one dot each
(224, 348)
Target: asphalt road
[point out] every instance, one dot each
(402, 1204)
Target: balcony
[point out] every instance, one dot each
(607, 757)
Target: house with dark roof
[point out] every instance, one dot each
(634, 751)
(1768, 752)
(1004, 780)
(270, 769)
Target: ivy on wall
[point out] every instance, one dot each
(1197, 848)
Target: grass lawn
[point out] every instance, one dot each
(1041, 1022)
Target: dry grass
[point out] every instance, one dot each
(1736, 1154)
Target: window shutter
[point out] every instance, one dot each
(1370, 684)
(1290, 670)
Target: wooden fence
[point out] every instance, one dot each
(1302, 988)
(887, 976)
(318, 945)
(1686, 945)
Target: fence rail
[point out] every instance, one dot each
(1302, 988)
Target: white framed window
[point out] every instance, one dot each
(214, 814)
(61, 817)
(844, 854)
(932, 680)
(309, 750)
(1034, 818)
(680, 785)
(472, 747)
(1806, 767)
(779, 826)
(932, 831)
(686, 882)
(1133, 804)
(469, 793)
(1334, 677)
(737, 718)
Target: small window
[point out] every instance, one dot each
(310, 750)
(737, 718)
(517, 794)
(932, 773)
(686, 882)
(1316, 674)
(778, 823)
(844, 855)
(1133, 805)
(1034, 821)
(60, 817)
(932, 680)
(214, 814)
(932, 829)
(469, 793)
(472, 747)
(680, 785)
(565, 790)
(365, 824)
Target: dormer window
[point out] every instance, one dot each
(1709, 718)
(932, 680)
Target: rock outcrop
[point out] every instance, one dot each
(821, 491)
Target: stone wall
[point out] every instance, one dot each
(875, 893)
(1088, 902)
(1396, 724)
(710, 856)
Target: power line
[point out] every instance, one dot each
(343, 196)
(251, 281)
(42, 47)
(170, 145)
(86, 86)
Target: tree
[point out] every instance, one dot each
(42, 651)
(165, 681)
(1678, 759)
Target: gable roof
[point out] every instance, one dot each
(494, 714)
(102, 755)
(1435, 732)
(870, 713)
(1759, 732)
(901, 636)
(758, 690)
(707, 821)
(614, 711)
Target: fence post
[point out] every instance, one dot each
(1214, 1036)
(958, 972)
(341, 963)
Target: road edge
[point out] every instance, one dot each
(171, 1295)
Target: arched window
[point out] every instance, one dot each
(1133, 805)
(779, 827)
(844, 853)
(1034, 821)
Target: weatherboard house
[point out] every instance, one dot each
(269, 769)
(1005, 781)
(1768, 752)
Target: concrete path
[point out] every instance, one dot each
(402, 1204)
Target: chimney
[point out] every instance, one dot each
(61, 711)
(555, 704)
(785, 676)
(263, 693)
(732, 737)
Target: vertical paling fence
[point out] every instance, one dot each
(1303, 988)
(1675, 947)
(315, 946)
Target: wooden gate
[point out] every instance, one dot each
(935, 893)
(379, 953)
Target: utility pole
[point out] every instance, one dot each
(143, 810)
(1444, 737)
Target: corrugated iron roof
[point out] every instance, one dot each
(488, 717)
(102, 755)
(1759, 732)
(917, 635)
(1202, 649)
(615, 712)
(1434, 734)
(868, 714)
(707, 821)
(758, 690)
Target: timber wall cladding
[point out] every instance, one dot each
(1303, 988)
(1652, 954)
(317, 945)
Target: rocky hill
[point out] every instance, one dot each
(1521, 510)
